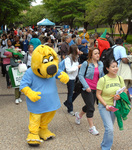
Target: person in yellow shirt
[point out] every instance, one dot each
(84, 35)
(106, 88)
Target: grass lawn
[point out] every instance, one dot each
(129, 39)
(101, 30)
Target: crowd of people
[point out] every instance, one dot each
(82, 59)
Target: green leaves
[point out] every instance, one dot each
(108, 11)
(66, 11)
(34, 15)
(10, 10)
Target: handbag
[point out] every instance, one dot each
(22, 67)
(78, 85)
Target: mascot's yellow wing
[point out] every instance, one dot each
(32, 95)
(64, 78)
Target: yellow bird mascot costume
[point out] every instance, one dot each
(39, 86)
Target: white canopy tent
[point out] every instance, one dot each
(40, 21)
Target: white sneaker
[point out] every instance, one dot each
(93, 131)
(77, 120)
(71, 113)
(20, 100)
(17, 101)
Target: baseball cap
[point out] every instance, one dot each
(84, 41)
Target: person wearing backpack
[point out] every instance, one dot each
(120, 52)
(89, 81)
(102, 43)
(71, 66)
(117, 52)
(106, 88)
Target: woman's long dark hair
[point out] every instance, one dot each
(73, 52)
(107, 64)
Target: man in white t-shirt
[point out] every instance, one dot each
(120, 52)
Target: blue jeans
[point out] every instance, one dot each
(108, 118)
(68, 102)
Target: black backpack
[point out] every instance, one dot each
(107, 54)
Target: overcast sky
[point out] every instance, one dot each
(38, 2)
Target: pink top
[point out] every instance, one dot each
(6, 60)
(93, 83)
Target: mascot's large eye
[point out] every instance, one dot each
(45, 61)
(51, 58)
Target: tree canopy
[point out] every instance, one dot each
(34, 15)
(66, 11)
(10, 9)
(110, 12)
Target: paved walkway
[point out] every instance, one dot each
(69, 136)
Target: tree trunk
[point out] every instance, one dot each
(71, 23)
(85, 22)
(112, 30)
(86, 25)
(129, 28)
(119, 29)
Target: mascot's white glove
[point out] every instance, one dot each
(32, 95)
(64, 78)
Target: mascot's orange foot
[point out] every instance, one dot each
(33, 140)
(46, 134)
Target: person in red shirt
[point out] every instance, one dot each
(102, 42)
(15, 32)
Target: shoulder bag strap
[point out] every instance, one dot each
(115, 46)
(86, 69)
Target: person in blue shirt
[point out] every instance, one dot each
(39, 85)
(25, 43)
(72, 40)
(120, 52)
(54, 31)
(83, 49)
(35, 41)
